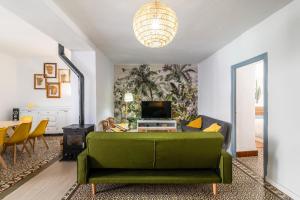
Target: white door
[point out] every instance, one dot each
(245, 108)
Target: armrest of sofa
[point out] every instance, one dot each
(226, 167)
(82, 167)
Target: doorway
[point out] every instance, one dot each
(250, 113)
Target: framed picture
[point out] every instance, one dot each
(64, 75)
(53, 90)
(50, 70)
(39, 81)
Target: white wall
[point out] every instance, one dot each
(28, 50)
(259, 80)
(104, 87)
(99, 77)
(8, 86)
(17, 85)
(245, 108)
(85, 61)
(26, 68)
(279, 35)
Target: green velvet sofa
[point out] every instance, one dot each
(154, 158)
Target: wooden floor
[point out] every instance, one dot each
(52, 183)
(259, 142)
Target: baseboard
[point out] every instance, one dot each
(246, 153)
(283, 189)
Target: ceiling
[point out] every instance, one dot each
(204, 26)
(18, 38)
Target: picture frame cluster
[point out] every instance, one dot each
(51, 80)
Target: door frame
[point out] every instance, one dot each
(262, 57)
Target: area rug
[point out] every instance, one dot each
(27, 167)
(246, 185)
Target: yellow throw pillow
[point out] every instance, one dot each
(213, 128)
(197, 123)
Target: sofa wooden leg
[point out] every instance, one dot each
(93, 188)
(214, 188)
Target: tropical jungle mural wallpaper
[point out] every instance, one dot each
(176, 83)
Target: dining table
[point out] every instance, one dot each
(9, 124)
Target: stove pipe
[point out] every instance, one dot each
(61, 53)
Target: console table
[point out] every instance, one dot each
(156, 125)
(58, 117)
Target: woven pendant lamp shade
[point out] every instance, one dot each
(155, 24)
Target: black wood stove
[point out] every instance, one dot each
(75, 140)
(74, 135)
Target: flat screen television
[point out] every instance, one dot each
(156, 109)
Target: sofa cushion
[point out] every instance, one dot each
(213, 128)
(190, 151)
(154, 150)
(120, 150)
(196, 123)
(185, 128)
(125, 176)
(208, 121)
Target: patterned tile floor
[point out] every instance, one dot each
(255, 163)
(27, 166)
(246, 185)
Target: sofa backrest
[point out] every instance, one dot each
(154, 150)
(190, 150)
(119, 150)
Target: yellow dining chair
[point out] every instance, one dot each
(26, 119)
(2, 138)
(39, 131)
(19, 137)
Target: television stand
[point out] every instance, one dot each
(156, 125)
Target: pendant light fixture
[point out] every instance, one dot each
(155, 24)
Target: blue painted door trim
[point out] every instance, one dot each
(262, 57)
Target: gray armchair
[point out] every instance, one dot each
(206, 122)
